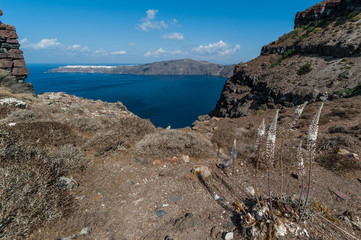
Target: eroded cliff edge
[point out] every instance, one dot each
(319, 60)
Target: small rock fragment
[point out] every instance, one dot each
(341, 195)
(174, 160)
(160, 213)
(175, 198)
(185, 158)
(137, 160)
(157, 162)
(342, 151)
(250, 190)
(201, 170)
(230, 224)
(68, 183)
(229, 236)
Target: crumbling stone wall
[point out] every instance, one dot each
(13, 70)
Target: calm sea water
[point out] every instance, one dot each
(165, 100)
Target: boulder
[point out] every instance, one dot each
(16, 51)
(8, 34)
(14, 55)
(6, 63)
(20, 71)
(19, 63)
(11, 40)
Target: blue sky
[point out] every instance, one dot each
(120, 32)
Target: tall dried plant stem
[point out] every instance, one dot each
(281, 169)
(301, 168)
(270, 152)
(311, 144)
(260, 137)
(296, 115)
(255, 180)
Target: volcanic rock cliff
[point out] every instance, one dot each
(13, 70)
(319, 60)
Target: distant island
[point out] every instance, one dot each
(172, 67)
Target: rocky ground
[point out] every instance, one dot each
(122, 178)
(73, 168)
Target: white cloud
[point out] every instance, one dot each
(42, 44)
(78, 48)
(151, 13)
(219, 48)
(132, 44)
(174, 36)
(121, 52)
(149, 22)
(155, 54)
(101, 52)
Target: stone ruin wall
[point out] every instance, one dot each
(13, 70)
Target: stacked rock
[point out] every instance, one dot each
(12, 64)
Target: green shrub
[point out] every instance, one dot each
(355, 16)
(304, 69)
(350, 92)
(285, 55)
(342, 76)
(352, 14)
(288, 53)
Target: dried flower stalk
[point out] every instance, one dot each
(301, 170)
(311, 144)
(270, 152)
(260, 137)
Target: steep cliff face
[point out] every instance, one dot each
(13, 70)
(326, 10)
(319, 59)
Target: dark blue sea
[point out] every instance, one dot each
(174, 101)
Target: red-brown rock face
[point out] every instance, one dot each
(12, 62)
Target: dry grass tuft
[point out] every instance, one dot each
(169, 143)
(30, 192)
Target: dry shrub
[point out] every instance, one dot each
(5, 93)
(22, 114)
(133, 128)
(339, 164)
(169, 143)
(225, 135)
(335, 142)
(30, 192)
(45, 134)
(103, 143)
(123, 134)
(71, 157)
(5, 110)
(86, 124)
(337, 129)
(339, 113)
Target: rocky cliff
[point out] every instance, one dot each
(13, 70)
(173, 67)
(319, 60)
